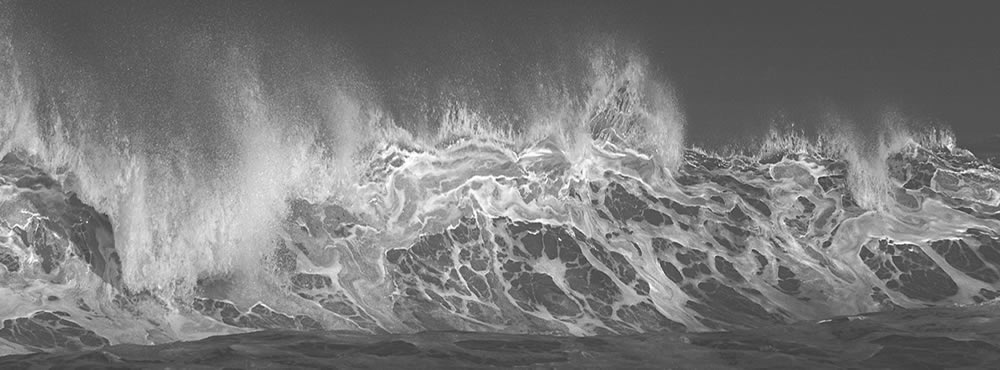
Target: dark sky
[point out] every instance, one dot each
(735, 65)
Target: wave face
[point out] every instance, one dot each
(478, 237)
(235, 189)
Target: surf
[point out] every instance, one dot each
(233, 189)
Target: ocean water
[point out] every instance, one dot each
(244, 215)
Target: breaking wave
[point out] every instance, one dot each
(244, 190)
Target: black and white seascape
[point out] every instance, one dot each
(470, 185)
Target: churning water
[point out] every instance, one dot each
(226, 189)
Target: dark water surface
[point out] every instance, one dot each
(967, 337)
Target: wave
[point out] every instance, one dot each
(241, 191)
(195, 184)
(477, 236)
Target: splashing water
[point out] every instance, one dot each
(240, 198)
